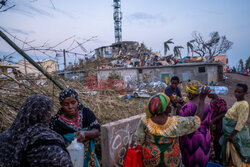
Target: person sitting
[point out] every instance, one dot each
(173, 91)
(74, 120)
(236, 139)
(29, 141)
(158, 133)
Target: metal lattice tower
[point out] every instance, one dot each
(118, 20)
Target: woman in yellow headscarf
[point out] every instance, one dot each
(158, 132)
(195, 148)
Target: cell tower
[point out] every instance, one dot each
(118, 20)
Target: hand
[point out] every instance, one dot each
(204, 92)
(231, 138)
(178, 100)
(80, 136)
(178, 106)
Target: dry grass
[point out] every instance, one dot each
(106, 105)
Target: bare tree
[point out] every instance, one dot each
(8, 4)
(214, 46)
(4, 5)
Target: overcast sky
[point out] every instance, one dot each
(148, 21)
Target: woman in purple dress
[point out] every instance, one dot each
(195, 147)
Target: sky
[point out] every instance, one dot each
(49, 22)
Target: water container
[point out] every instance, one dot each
(219, 90)
(76, 151)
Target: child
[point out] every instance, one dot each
(174, 93)
(235, 146)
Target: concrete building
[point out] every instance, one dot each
(6, 68)
(120, 48)
(203, 72)
(26, 68)
(71, 74)
(222, 59)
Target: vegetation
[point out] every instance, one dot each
(214, 46)
(241, 65)
(247, 64)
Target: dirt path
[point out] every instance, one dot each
(231, 82)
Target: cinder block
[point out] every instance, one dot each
(115, 139)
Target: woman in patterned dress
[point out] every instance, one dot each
(158, 133)
(236, 138)
(195, 147)
(218, 109)
(73, 120)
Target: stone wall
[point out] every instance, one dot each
(115, 139)
(203, 72)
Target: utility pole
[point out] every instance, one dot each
(64, 56)
(25, 67)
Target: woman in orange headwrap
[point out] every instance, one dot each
(158, 132)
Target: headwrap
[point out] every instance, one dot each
(193, 87)
(29, 126)
(68, 93)
(157, 104)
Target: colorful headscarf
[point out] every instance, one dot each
(193, 87)
(157, 104)
(68, 93)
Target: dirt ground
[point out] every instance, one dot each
(231, 82)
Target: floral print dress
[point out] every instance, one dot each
(160, 142)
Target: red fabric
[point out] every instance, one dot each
(70, 122)
(134, 157)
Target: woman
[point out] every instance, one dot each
(29, 141)
(158, 132)
(73, 120)
(195, 147)
(218, 109)
(236, 140)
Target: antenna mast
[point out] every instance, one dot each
(117, 20)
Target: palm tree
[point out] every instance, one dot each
(190, 47)
(166, 45)
(177, 51)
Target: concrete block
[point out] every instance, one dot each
(115, 139)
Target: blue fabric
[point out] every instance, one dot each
(212, 164)
(90, 158)
(169, 91)
(241, 141)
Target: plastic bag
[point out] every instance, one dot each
(134, 157)
(76, 151)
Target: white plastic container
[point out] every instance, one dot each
(76, 151)
(219, 90)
